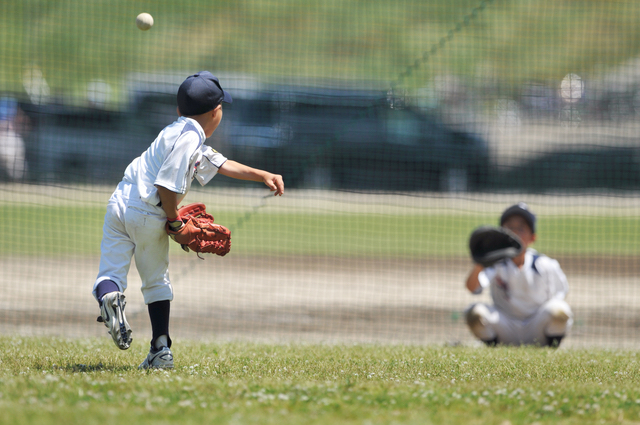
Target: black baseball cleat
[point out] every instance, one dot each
(112, 314)
(554, 341)
(491, 342)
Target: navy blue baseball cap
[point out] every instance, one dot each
(201, 93)
(523, 211)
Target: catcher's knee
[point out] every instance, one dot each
(477, 314)
(477, 317)
(559, 311)
(560, 317)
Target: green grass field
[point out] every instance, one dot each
(89, 381)
(504, 45)
(45, 230)
(74, 42)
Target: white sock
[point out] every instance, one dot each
(162, 341)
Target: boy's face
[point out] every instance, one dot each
(518, 225)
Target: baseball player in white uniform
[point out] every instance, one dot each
(12, 149)
(147, 199)
(528, 292)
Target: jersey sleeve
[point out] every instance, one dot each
(484, 280)
(175, 171)
(208, 165)
(557, 281)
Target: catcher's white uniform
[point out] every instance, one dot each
(528, 302)
(135, 223)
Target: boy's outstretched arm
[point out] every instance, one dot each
(235, 170)
(473, 283)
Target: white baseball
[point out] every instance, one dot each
(144, 21)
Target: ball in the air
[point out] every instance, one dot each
(144, 21)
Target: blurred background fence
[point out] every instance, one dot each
(398, 127)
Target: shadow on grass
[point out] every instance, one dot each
(80, 367)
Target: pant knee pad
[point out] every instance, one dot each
(477, 315)
(560, 312)
(478, 320)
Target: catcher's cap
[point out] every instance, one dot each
(522, 210)
(201, 93)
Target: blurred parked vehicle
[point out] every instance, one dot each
(351, 139)
(338, 139)
(81, 144)
(578, 168)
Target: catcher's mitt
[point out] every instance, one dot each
(489, 244)
(199, 233)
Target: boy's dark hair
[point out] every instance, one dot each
(200, 93)
(523, 211)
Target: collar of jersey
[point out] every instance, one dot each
(195, 124)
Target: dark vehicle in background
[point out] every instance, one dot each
(576, 169)
(352, 140)
(85, 145)
(316, 138)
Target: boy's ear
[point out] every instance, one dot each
(178, 111)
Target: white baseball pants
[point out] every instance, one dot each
(133, 227)
(554, 318)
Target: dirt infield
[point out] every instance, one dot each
(310, 299)
(328, 299)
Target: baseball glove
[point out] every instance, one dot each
(198, 232)
(489, 244)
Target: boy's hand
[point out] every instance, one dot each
(275, 183)
(235, 170)
(175, 223)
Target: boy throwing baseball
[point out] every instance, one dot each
(145, 204)
(528, 292)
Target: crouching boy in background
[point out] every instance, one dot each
(528, 292)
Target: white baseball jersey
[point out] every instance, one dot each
(12, 151)
(520, 292)
(135, 222)
(174, 159)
